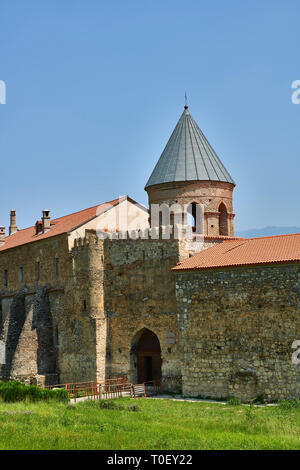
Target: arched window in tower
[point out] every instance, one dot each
(223, 220)
(191, 215)
(195, 217)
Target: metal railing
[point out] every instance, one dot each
(93, 389)
(108, 389)
(152, 388)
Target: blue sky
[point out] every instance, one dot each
(94, 89)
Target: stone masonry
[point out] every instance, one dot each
(237, 327)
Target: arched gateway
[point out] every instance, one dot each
(148, 357)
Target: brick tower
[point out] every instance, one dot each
(189, 172)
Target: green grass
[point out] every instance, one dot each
(12, 391)
(148, 424)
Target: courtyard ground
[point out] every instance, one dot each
(148, 424)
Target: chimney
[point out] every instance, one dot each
(2, 235)
(13, 226)
(46, 220)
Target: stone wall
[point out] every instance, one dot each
(86, 360)
(45, 252)
(49, 322)
(139, 294)
(32, 310)
(28, 330)
(237, 327)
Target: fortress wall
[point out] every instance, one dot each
(237, 328)
(140, 293)
(84, 356)
(45, 252)
(31, 311)
(27, 329)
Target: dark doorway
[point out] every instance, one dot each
(148, 367)
(148, 358)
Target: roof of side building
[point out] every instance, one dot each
(60, 225)
(244, 252)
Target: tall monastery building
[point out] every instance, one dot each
(113, 291)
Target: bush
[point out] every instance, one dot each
(233, 401)
(250, 413)
(289, 404)
(259, 400)
(110, 405)
(133, 408)
(16, 391)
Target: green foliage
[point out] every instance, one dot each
(289, 404)
(250, 413)
(259, 400)
(133, 408)
(159, 424)
(233, 401)
(110, 405)
(13, 391)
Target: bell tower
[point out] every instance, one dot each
(189, 174)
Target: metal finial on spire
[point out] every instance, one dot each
(186, 101)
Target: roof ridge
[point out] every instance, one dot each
(83, 210)
(274, 236)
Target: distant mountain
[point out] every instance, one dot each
(266, 231)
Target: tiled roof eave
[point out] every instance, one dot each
(32, 241)
(237, 265)
(188, 180)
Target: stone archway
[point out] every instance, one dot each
(148, 357)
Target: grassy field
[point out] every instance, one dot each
(148, 424)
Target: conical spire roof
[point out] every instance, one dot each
(188, 156)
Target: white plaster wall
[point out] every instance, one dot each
(124, 216)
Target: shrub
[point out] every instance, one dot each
(110, 405)
(289, 404)
(233, 401)
(259, 400)
(133, 408)
(12, 391)
(250, 413)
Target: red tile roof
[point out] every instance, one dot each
(58, 226)
(243, 252)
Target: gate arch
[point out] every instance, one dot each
(147, 361)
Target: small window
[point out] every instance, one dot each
(195, 217)
(37, 271)
(21, 275)
(56, 268)
(5, 278)
(56, 340)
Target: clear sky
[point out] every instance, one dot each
(94, 89)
